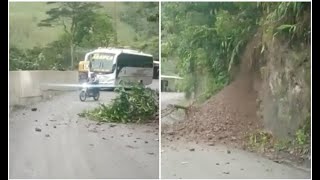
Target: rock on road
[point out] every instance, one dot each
(54, 142)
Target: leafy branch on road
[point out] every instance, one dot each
(138, 105)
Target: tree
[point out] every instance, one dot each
(76, 19)
(101, 33)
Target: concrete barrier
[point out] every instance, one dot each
(25, 85)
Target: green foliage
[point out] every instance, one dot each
(303, 134)
(63, 37)
(260, 140)
(137, 105)
(207, 38)
(144, 18)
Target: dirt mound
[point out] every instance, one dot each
(225, 118)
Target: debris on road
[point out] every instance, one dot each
(54, 126)
(47, 135)
(128, 146)
(33, 109)
(228, 151)
(38, 129)
(212, 144)
(104, 138)
(151, 153)
(226, 172)
(112, 125)
(146, 142)
(192, 149)
(217, 164)
(46, 124)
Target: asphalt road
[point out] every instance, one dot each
(198, 161)
(72, 147)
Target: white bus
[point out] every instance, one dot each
(115, 66)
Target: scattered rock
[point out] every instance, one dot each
(47, 124)
(122, 135)
(33, 109)
(228, 151)
(93, 130)
(91, 144)
(35, 120)
(99, 123)
(135, 141)
(128, 146)
(151, 153)
(212, 144)
(192, 149)
(146, 142)
(226, 172)
(52, 120)
(112, 125)
(217, 164)
(241, 169)
(277, 161)
(38, 129)
(101, 129)
(54, 126)
(170, 133)
(23, 114)
(233, 138)
(138, 138)
(227, 163)
(111, 136)
(47, 135)
(104, 138)
(291, 152)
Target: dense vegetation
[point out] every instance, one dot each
(206, 39)
(59, 34)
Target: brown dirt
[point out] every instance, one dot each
(225, 118)
(229, 115)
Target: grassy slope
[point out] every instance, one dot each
(25, 33)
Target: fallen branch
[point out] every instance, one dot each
(171, 108)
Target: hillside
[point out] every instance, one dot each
(24, 17)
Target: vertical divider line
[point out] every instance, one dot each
(159, 89)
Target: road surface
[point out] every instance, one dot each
(197, 161)
(72, 147)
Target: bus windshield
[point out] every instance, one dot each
(101, 62)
